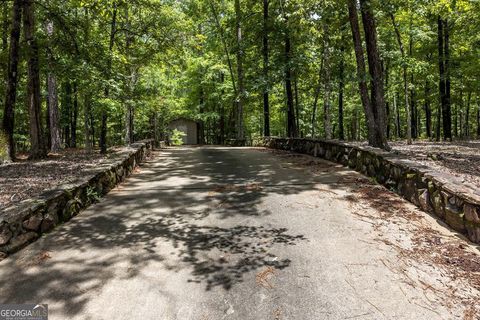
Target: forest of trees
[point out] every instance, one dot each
(98, 73)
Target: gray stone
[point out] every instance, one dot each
(472, 213)
(34, 222)
(424, 200)
(19, 242)
(49, 222)
(454, 218)
(5, 235)
(72, 208)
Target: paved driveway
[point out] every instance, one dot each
(235, 233)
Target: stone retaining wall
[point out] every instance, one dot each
(25, 222)
(438, 193)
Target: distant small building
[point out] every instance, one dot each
(187, 126)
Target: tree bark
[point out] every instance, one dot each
(327, 120)
(316, 96)
(74, 123)
(297, 103)
(405, 79)
(53, 115)
(291, 123)
(447, 113)
(12, 77)
(104, 113)
(444, 83)
(375, 69)
(361, 70)
(398, 130)
(37, 142)
(428, 111)
(266, 103)
(341, 89)
(467, 115)
(240, 130)
(87, 100)
(387, 103)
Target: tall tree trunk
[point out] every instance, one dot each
(87, 106)
(448, 109)
(240, 130)
(467, 115)
(104, 113)
(54, 120)
(67, 111)
(5, 26)
(317, 95)
(291, 123)
(375, 69)
(87, 100)
(222, 112)
(37, 141)
(341, 89)
(428, 111)
(387, 103)
(266, 103)
(478, 118)
(361, 71)
(405, 79)
(53, 115)
(327, 118)
(398, 127)
(297, 103)
(12, 77)
(444, 83)
(74, 115)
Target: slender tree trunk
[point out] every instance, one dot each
(67, 110)
(73, 126)
(87, 100)
(478, 118)
(297, 103)
(398, 131)
(317, 95)
(291, 123)
(327, 120)
(361, 71)
(37, 141)
(428, 111)
(405, 79)
(341, 89)
(266, 103)
(444, 83)
(222, 112)
(413, 112)
(53, 115)
(467, 115)
(387, 103)
(12, 77)
(448, 108)
(54, 120)
(241, 85)
(87, 106)
(5, 27)
(104, 113)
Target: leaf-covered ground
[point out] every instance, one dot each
(461, 159)
(26, 179)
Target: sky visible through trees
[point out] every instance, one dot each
(97, 73)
